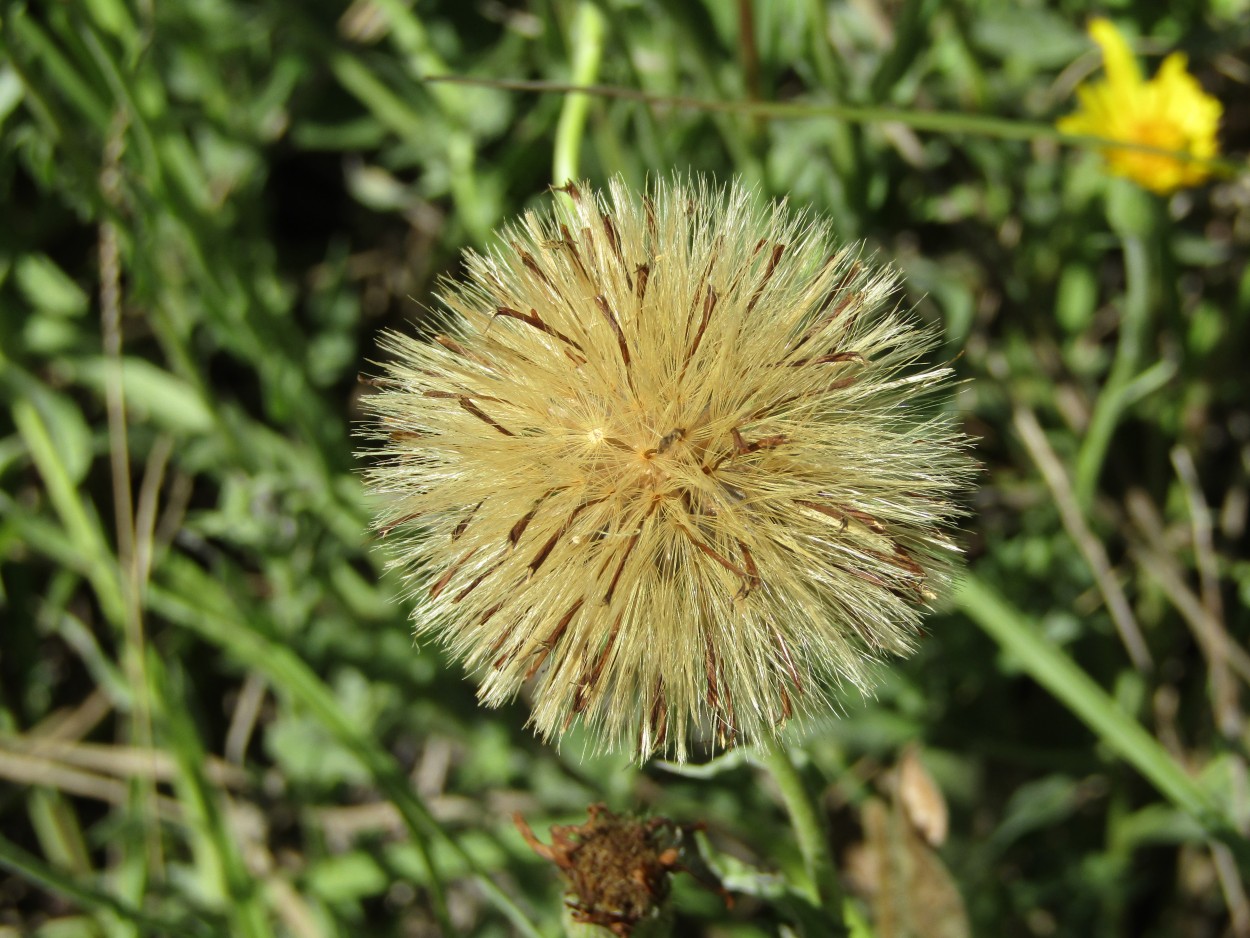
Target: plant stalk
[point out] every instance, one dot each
(1134, 330)
(589, 27)
(809, 828)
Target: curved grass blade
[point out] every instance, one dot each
(295, 679)
(31, 868)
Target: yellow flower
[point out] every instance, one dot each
(1170, 111)
(672, 467)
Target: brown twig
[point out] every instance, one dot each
(1224, 694)
(1163, 569)
(747, 49)
(132, 576)
(1056, 478)
(23, 769)
(1224, 657)
(1234, 890)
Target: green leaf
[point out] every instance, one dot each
(11, 92)
(1036, 805)
(151, 393)
(69, 435)
(1077, 299)
(48, 288)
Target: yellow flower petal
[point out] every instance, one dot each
(1117, 57)
(1170, 112)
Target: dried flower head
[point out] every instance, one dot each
(1170, 111)
(617, 868)
(672, 464)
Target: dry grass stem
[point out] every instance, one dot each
(1091, 548)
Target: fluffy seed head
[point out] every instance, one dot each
(672, 464)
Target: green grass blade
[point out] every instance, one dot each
(81, 524)
(951, 123)
(295, 679)
(34, 870)
(76, 89)
(213, 844)
(1076, 690)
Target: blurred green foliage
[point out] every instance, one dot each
(212, 720)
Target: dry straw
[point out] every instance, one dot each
(673, 465)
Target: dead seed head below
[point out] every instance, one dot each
(617, 868)
(673, 463)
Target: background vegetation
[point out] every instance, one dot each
(212, 718)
